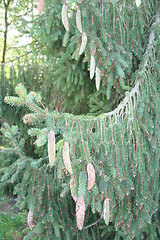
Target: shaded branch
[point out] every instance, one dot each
(18, 16)
(14, 59)
(91, 225)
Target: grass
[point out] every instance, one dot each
(12, 220)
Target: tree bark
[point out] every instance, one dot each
(6, 5)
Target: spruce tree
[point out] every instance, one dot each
(99, 178)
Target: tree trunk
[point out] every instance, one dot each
(6, 5)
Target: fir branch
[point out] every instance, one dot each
(14, 141)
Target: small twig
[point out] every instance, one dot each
(93, 223)
(42, 104)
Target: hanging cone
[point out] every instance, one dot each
(72, 182)
(80, 212)
(51, 148)
(98, 78)
(66, 158)
(92, 67)
(71, 186)
(78, 20)
(106, 213)
(30, 220)
(40, 6)
(65, 17)
(91, 175)
(83, 44)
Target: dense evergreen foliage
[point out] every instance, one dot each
(96, 175)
